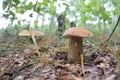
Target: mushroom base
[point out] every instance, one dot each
(75, 49)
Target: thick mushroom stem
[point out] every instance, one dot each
(36, 46)
(75, 49)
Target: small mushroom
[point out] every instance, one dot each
(32, 33)
(76, 43)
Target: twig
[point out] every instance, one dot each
(112, 31)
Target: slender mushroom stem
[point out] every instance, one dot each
(36, 46)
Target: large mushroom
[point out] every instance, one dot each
(31, 33)
(76, 42)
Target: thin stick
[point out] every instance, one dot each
(111, 32)
(114, 29)
(82, 64)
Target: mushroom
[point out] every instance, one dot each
(75, 51)
(31, 33)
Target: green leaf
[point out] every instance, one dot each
(52, 9)
(35, 22)
(29, 6)
(16, 2)
(37, 9)
(20, 10)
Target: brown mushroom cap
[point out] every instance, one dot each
(77, 32)
(30, 32)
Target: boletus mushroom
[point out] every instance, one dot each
(31, 33)
(76, 35)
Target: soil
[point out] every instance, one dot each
(19, 61)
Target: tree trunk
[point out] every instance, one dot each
(61, 26)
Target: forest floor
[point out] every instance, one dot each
(19, 61)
